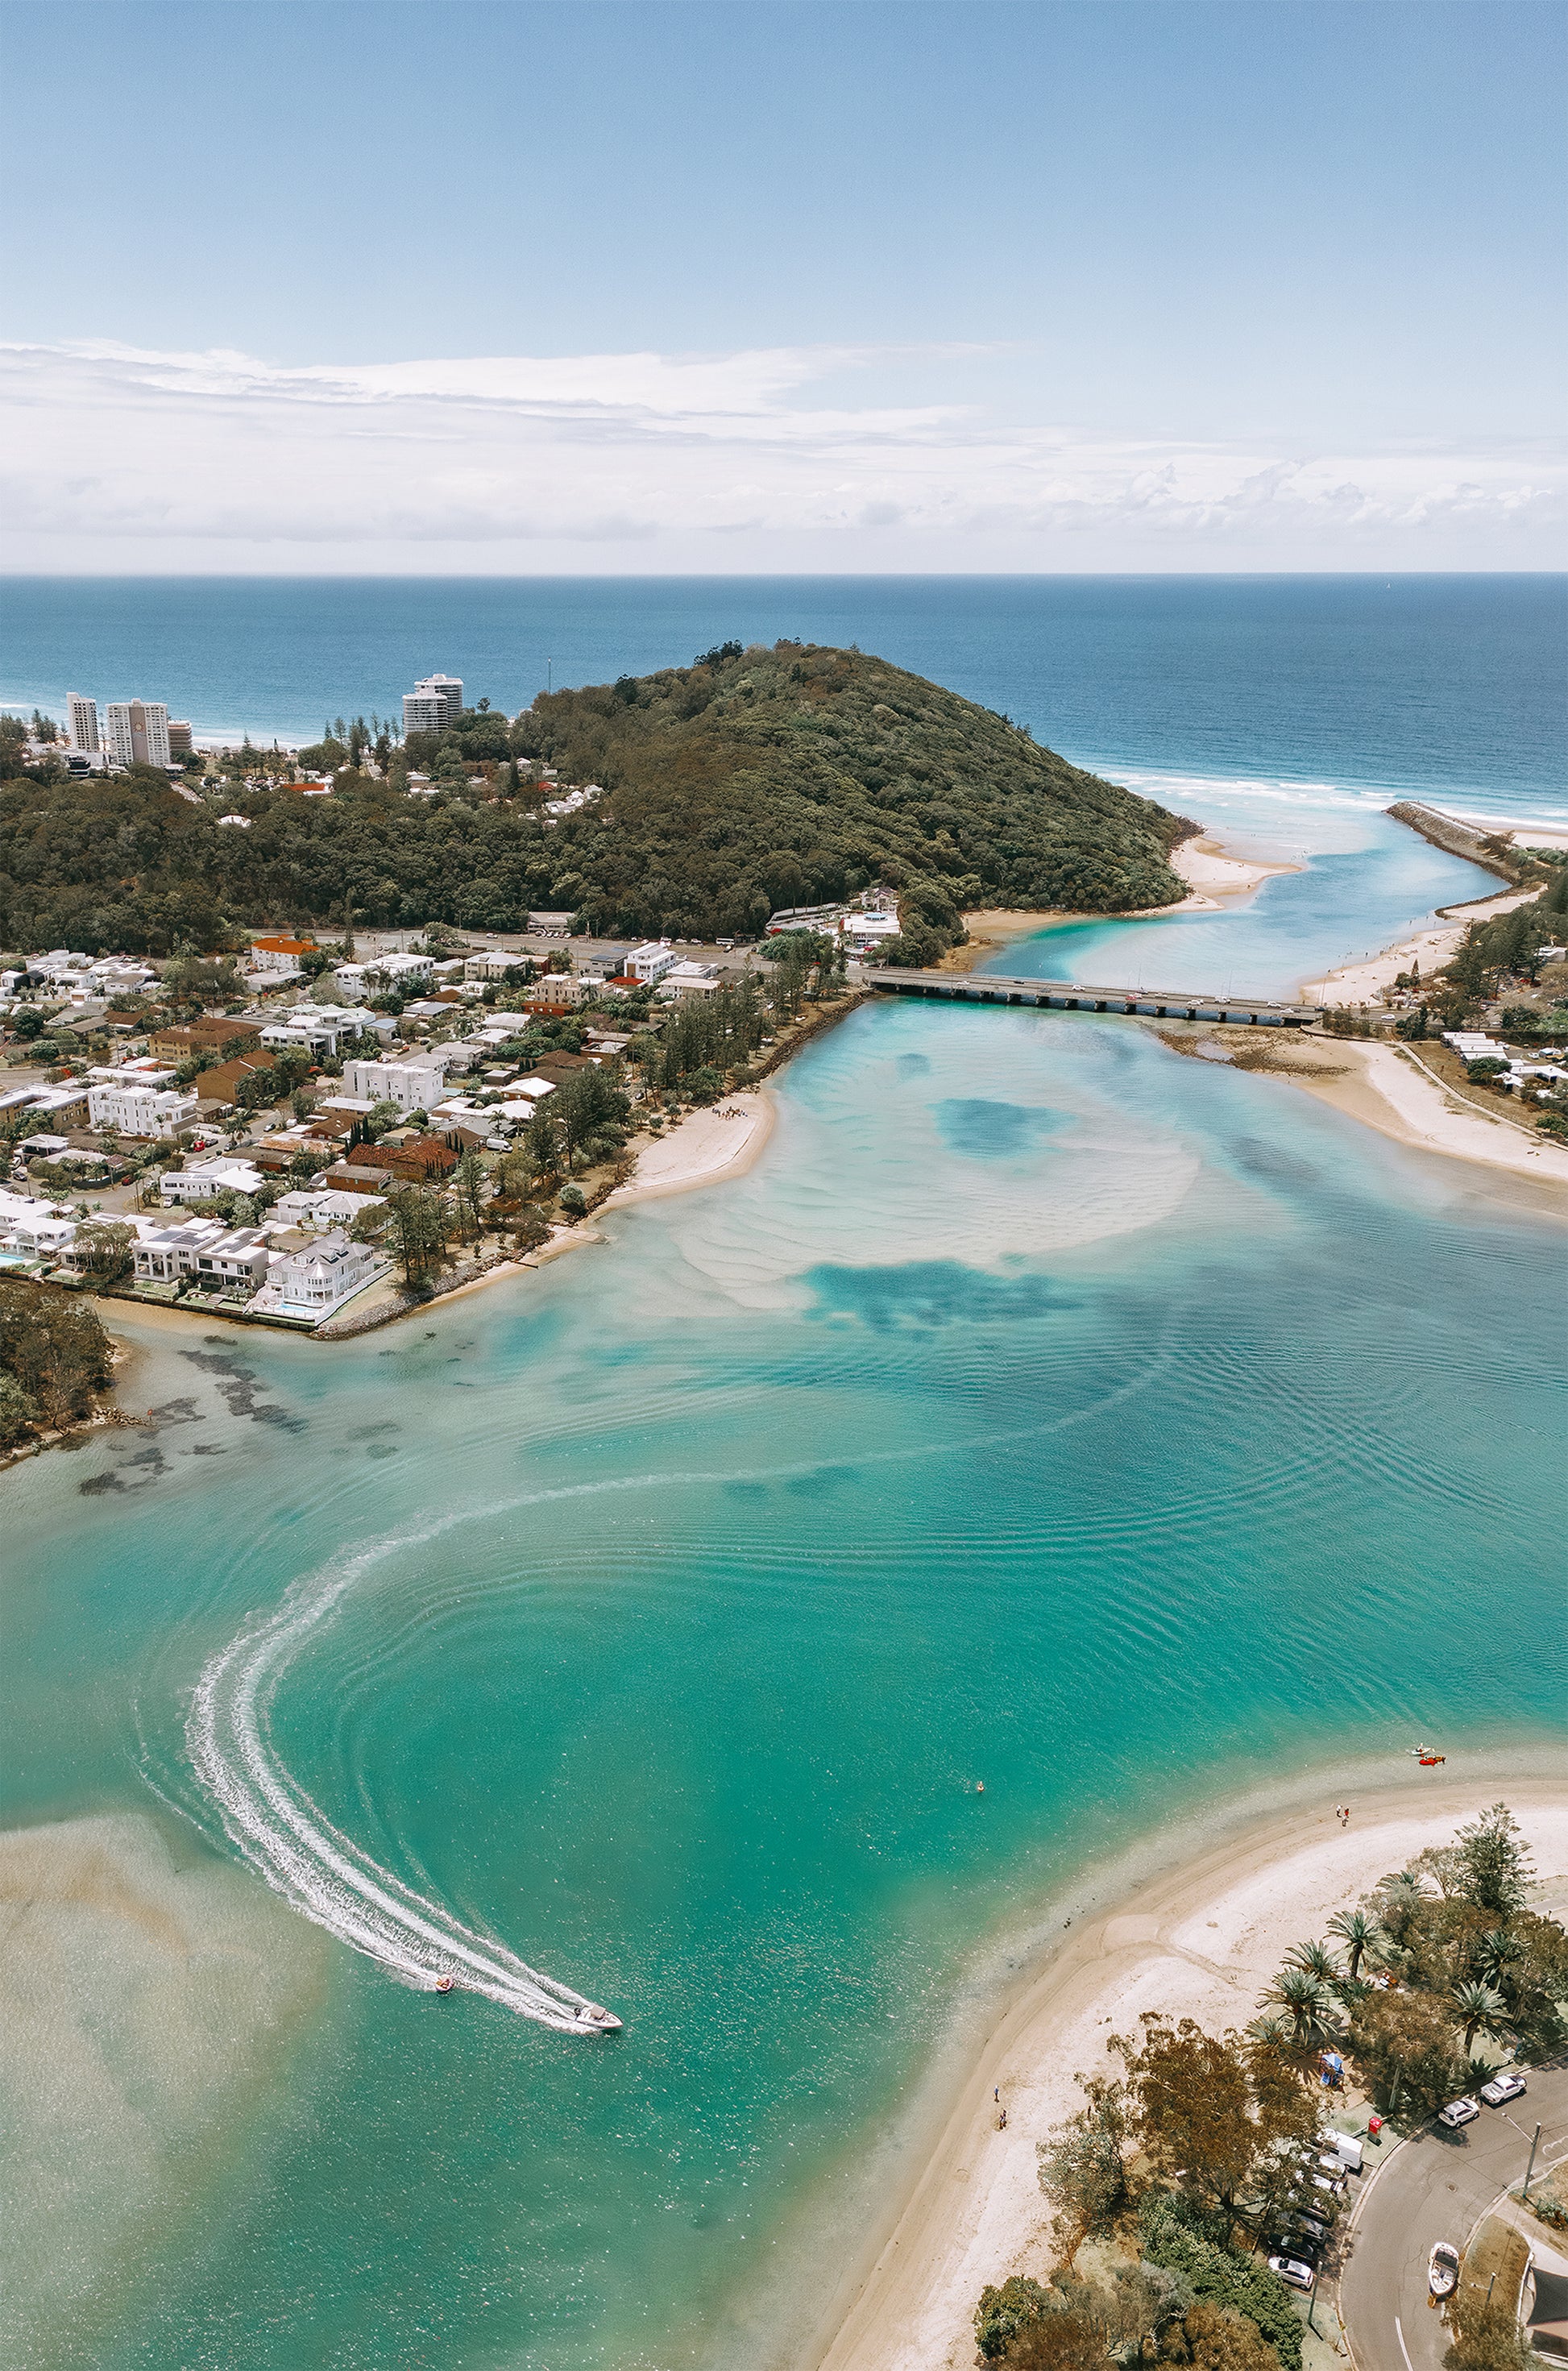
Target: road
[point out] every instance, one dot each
(1434, 2187)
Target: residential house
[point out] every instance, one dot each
(31, 1229)
(399, 972)
(351, 1177)
(418, 1160)
(317, 1207)
(314, 1281)
(220, 1085)
(204, 1178)
(226, 1259)
(689, 979)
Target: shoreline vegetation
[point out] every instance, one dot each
(1200, 1927)
(1418, 1094)
(1214, 875)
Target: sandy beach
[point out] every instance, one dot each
(708, 1147)
(1199, 1939)
(1387, 1087)
(1215, 874)
(1363, 982)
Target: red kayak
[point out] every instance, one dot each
(1430, 1760)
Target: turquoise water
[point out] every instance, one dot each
(1043, 1410)
(1359, 882)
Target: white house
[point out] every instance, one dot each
(210, 1177)
(31, 1230)
(400, 971)
(138, 1110)
(228, 1259)
(317, 1208)
(494, 966)
(649, 963)
(318, 1280)
(413, 1086)
(321, 1028)
(685, 979)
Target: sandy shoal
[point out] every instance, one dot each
(1213, 873)
(708, 1147)
(1386, 1087)
(1363, 982)
(1199, 1940)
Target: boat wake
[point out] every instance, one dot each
(287, 1838)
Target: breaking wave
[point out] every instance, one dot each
(288, 1839)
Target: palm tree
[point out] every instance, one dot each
(1480, 2008)
(1314, 1959)
(1495, 1952)
(1307, 2002)
(1362, 1937)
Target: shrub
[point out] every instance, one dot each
(1220, 2278)
(1003, 2312)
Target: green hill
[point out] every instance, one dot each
(766, 778)
(750, 780)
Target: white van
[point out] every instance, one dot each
(1346, 2149)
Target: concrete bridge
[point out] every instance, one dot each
(1070, 996)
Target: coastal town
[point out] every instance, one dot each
(298, 1134)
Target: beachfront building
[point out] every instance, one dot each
(134, 1109)
(136, 733)
(220, 1258)
(314, 1281)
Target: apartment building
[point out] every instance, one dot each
(433, 705)
(136, 733)
(82, 725)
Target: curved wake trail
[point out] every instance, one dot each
(289, 1840)
(286, 1837)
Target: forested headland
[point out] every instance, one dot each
(750, 780)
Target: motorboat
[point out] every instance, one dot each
(596, 2019)
(1443, 2269)
(444, 1983)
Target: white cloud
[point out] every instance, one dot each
(125, 460)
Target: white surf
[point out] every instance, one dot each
(289, 1840)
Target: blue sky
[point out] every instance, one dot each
(970, 285)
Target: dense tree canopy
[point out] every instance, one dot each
(755, 779)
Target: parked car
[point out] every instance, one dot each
(1458, 2112)
(1293, 2243)
(1501, 2089)
(1309, 2228)
(1292, 2271)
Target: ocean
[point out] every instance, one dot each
(752, 1623)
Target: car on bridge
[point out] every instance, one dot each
(1458, 2112)
(1502, 2088)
